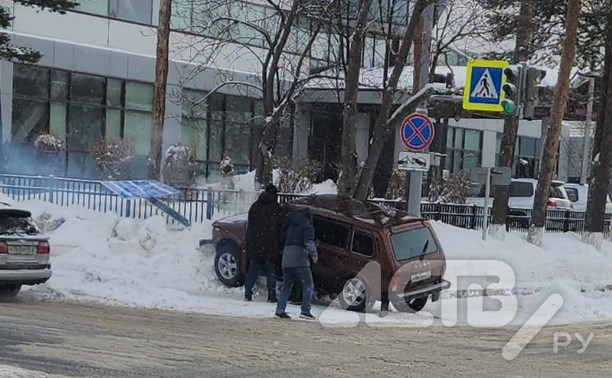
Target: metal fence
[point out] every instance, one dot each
(198, 205)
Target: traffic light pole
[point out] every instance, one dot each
(514, 93)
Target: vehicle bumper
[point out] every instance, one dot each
(434, 289)
(24, 276)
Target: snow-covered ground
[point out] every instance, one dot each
(104, 258)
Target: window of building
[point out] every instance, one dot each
(138, 120)
(132, 10)
(30, 119)
(80, 109)
(30, 103)
(526, 156)
(463, 149)
(194, 125)
(99, 7)
(181, 18)
(87, 89)
(85, 127)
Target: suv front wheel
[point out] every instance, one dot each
(227, 265)
(353, 296)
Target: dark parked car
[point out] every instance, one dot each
(24, 252)
(351, 234)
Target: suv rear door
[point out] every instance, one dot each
(332, 243)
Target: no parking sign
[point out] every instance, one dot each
(417, 132)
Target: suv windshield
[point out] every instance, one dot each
(413, 243)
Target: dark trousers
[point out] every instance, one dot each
(303, 275)
(253, 272)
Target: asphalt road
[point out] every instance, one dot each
(86, 340)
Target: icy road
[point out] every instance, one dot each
(50, 339)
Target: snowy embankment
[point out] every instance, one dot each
(104, 258)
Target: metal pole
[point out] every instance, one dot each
(587, 133)
(485, 214)
(416, 178)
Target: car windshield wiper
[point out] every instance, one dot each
(422, 256)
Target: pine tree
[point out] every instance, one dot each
(11, 52)
(553, 136)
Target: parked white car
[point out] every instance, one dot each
(522, 195)
(579, 193)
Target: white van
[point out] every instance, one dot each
(579, 194)
(522, 195)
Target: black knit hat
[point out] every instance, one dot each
(270, 188)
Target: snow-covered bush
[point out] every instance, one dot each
(112, 158)
(226, 169)
(48, 143)
(397, 185)
(179, 167)
(456, 188)
(296, 176)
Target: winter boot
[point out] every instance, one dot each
(307, 315)
(282, 315)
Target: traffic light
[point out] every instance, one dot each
(533, 79)
(511, 100)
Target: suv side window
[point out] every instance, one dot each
(363, 244)
(330, 232)
(572, 194)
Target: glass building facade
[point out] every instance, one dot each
(81, 109)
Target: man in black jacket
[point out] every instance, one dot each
(263, 241)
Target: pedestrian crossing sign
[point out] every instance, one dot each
(483, 85)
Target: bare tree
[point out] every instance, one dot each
(457, 21)
(568, 55)
(355, 50)
(384, 124)
(159, 95)
(278, 40)
(601, 172)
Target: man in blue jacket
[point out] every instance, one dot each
(299, 251)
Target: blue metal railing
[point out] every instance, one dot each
(198, 205)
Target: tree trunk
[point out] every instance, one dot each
(273, 110)
(599, 182)
(511, 122)
(382, 126)
(159, 95)
(601, 115)
(417, 54)
(549, 160)
(351, 90)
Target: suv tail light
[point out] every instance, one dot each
(3, 247)
(43, 248)
(551, 203)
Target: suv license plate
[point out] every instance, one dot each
(420, 276)
(22, 250)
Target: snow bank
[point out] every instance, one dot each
(104, 258)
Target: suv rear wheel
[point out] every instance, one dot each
(9, 291)
(353, 296)
(409, 305)
(227, 265)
